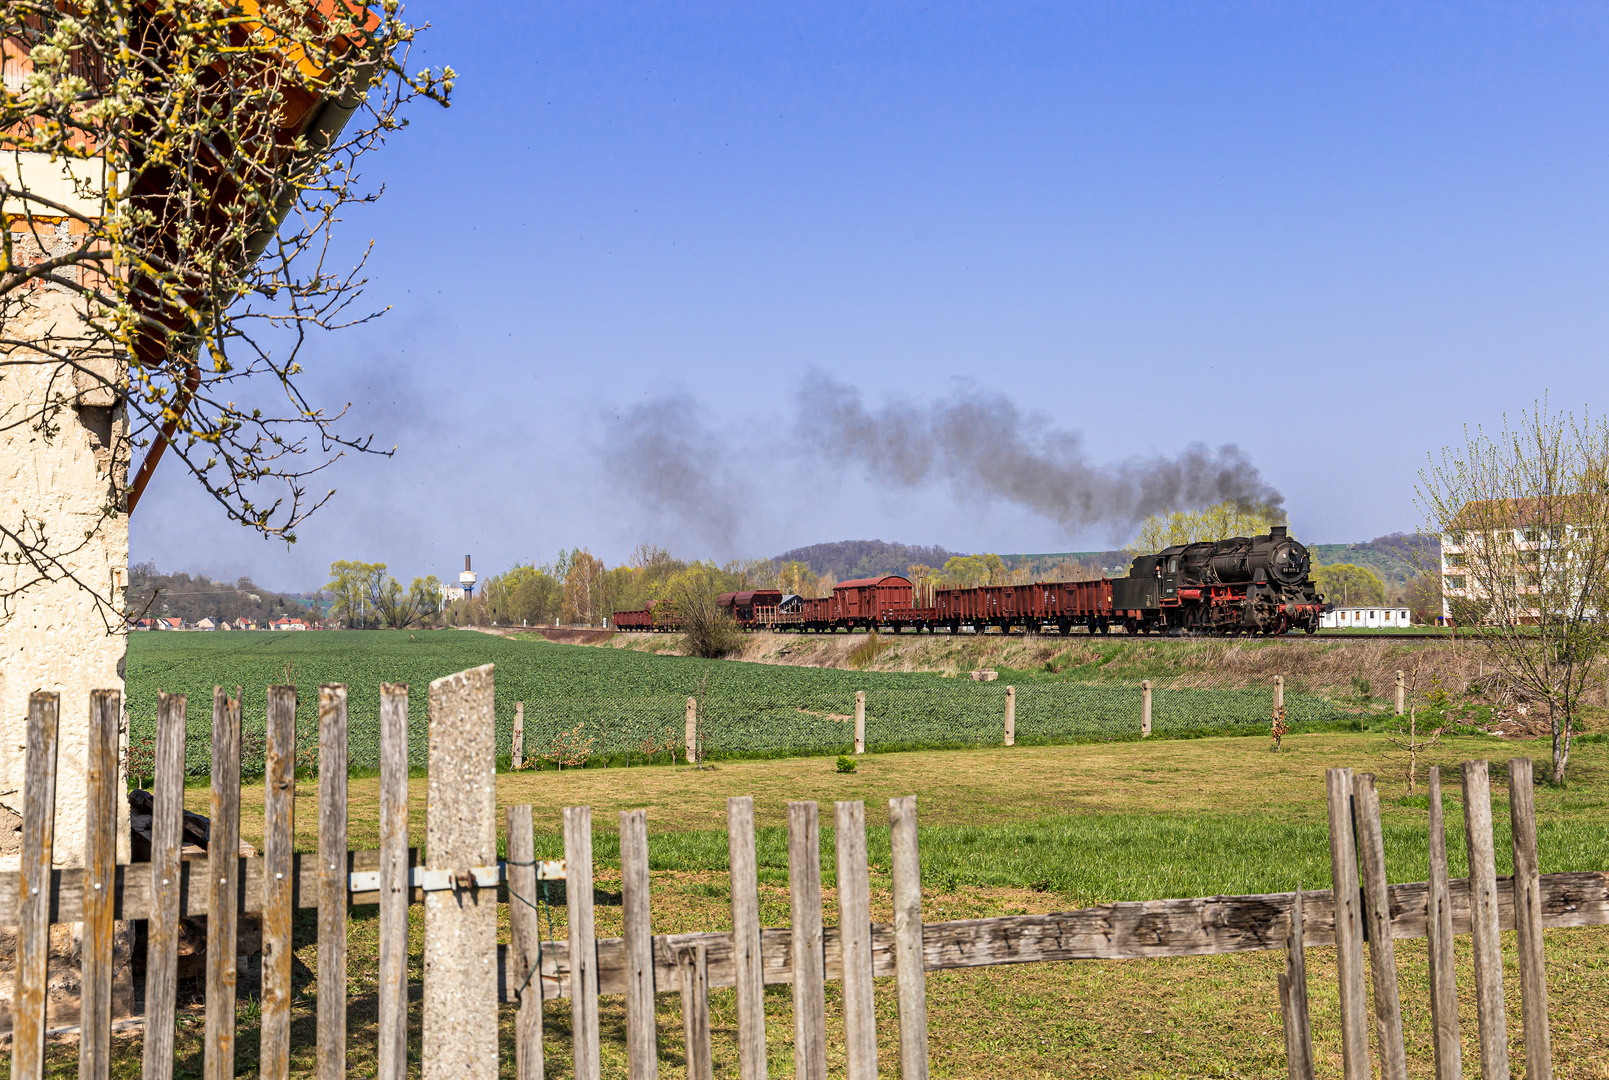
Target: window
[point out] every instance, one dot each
(1532, 534)
(1455, 581)
(1455, 560)
(1530, 558)
(1456, 537)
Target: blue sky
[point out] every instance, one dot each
(1331, 235)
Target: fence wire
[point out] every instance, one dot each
(568, 731)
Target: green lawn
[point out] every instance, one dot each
(1019, 830)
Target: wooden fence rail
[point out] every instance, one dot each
(460, 881)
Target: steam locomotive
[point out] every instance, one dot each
(1257, 584)
(1243, 585)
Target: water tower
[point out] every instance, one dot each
(467, 578)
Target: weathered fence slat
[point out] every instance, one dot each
(395, 886)
(1293, 1000)
(807, 943)
(1377, 916)
(524, 943)
(583, 942)
(162, 928)
(279, 831)
(642, 1048)
(693, 963)
(909, 938)
(1483, 901)
(332, 882)
(100, 874)
(1011, 716)
(1448, 1046)
(1348, 927)
(860, 721)
(461, 970)
(1528, 921)
(748, 976)
(855, 941)
(223, 886)
(33, 883)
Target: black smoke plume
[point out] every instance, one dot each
(985, 446)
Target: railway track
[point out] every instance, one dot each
(1121, 637)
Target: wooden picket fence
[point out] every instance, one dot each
(467, 973)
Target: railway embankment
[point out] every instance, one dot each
(1358, 669)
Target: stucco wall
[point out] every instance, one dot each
(62, 634)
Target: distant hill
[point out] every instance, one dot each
(1391, 556)
(153, 593)
(846, 559)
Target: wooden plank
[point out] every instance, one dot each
(1145, 708)
(332, 882)
(525, 936)
(1377, 920)
(1348, 926)
(460, 991)
(1448, 1046)
(1528, 921)
(100, 873)
(33, 882)
(223, 886)
(1483, 894)
(516, 750)
(855, 941)
(809, 959)
(692, 962)
(395, 889)
(279, 840)
(642, 1047)
(1011, 716)
(1204, 926)
(747, 960)
(583, 943)
(910, 952)
(1293, 1000)
(162, 928)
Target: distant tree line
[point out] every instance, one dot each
(193, 597)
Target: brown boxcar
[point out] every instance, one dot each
(867, 601)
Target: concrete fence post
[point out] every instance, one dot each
(692, 731)
(1279, 691)
(517, 748)
(1145, 708)
(1402, 693)
(860, 721)
(1011, 716)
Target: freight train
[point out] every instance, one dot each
(1243, 585)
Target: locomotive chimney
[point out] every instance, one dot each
(1277, 532)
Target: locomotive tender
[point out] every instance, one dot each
(1243, 585)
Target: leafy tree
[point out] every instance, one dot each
(1523, 514)
(425, 596)
(1423, 597)
(1219, 522)
(350, 587)
(796, 577)
(966, 571)
(583, 588)
(182, 290)
(1347, 585)
(707, 628)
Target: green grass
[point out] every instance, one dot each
(629, 706)
(1027, 829)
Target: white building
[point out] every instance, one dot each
(1364, 618)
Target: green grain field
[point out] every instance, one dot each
(630, 706)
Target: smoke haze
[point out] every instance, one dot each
(986, 447)
(666, 459)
